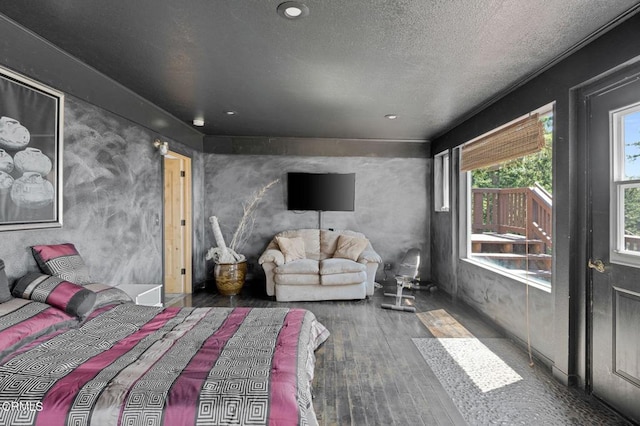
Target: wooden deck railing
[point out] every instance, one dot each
(524, 211)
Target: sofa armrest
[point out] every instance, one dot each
(369, 256)
(273, 256)
(269, 275)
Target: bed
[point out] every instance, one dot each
(72, 362)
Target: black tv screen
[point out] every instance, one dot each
(321, 191)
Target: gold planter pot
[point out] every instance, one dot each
(230, 277)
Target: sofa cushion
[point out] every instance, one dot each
(291, 248)
(343, 279)
(349, 247)
(340, 266)
(297, 279)
(300, 266)
(328, 243)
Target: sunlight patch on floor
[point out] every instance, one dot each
(485, 369)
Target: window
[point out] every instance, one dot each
(441, 182)
(625, 184)
(507, 195)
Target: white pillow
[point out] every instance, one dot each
(292, 248)
(350, 247)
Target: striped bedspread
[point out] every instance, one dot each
(138, 365)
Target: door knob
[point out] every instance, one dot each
(597, 264)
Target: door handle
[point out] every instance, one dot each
(597, 264)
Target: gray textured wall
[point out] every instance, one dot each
(112, 201)
(443, 273)
(392, 199)
(506, 302)
(199, 219)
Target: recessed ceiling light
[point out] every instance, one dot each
(198, 122)
(230, 112)
(292, 10)
(391, 116)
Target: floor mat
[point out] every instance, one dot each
(441, 324)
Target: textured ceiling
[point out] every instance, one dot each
(332, 74)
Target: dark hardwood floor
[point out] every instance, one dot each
(369, 371)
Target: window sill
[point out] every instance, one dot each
(504, 272)
(625, 258)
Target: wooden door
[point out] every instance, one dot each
(612, 118)
(177, 223)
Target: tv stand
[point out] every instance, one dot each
(319, 219)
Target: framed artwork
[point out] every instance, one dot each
(31, 122)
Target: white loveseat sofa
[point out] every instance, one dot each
(319, 264)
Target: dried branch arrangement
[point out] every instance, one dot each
(222, 253)
(228, 254)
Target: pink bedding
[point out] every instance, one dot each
(130, 365)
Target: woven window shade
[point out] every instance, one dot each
(517, 140)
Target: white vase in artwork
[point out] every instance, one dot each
(32, 160)
(31, 191)
(6, 162)
(13, 135)
(6, 182)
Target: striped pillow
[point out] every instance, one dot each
(62, 261)
(69, 297)
(107, 295)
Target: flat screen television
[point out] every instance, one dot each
(321, 191)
